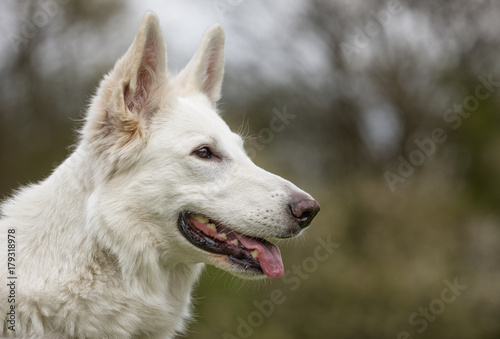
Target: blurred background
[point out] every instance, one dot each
(390, 116)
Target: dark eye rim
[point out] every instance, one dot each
(204, 152)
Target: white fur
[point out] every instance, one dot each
(98, 250)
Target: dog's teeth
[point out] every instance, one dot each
(200, 218)
(254, 254)
(235, 242)
(223, 236)
(212, 226)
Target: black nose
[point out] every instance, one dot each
(304, 209)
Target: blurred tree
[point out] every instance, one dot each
(41, 90)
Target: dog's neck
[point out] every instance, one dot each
(64, 207)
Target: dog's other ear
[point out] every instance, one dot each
(134, 90)
(204, 72)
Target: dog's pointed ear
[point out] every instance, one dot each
(134, 90)
(145, 64)
(204, 72)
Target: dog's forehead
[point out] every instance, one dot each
(199, 123)
(198, 114)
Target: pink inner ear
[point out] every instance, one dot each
(210, 76)
(146, 80)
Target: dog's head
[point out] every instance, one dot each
(171, 175)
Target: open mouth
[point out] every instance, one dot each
(254, 255)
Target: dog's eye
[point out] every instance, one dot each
(203, 152)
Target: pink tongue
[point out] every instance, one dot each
(269, 256)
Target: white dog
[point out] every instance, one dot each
(111, 243)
